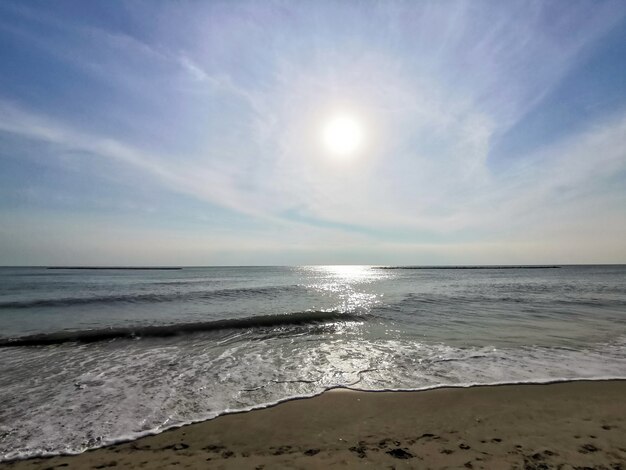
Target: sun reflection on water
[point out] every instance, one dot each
(348, 284)
(347, 273)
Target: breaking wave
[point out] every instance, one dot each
(104, 334)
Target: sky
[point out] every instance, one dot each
(190, 133)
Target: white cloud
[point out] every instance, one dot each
(432, 86)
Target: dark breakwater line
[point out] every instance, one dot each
(116, 268)
(468, 267)
(104, 334)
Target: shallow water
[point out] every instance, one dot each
(112, 354)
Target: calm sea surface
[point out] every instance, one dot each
(89, 357)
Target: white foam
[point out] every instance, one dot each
(66, 399)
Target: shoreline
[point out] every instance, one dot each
(333, 389)
(580, 422)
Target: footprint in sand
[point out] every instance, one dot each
(400, 453)
(587, 449)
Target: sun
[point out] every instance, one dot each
(342, 135)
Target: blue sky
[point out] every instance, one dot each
(188, 133)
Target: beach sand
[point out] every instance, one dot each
(561, 426)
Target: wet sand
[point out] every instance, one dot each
(561, 426)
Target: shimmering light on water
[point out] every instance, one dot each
(396, 329)
(346, 282)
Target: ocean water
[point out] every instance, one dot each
(91, 357)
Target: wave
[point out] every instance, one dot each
(149, 297)
(104, 334)
(413, 300)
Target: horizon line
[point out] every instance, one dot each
(396, 266)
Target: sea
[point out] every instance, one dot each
(90, 357)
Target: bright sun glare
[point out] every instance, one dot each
(342, 135)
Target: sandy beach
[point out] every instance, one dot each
(562, 425)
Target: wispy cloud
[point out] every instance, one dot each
(225, 102)
(207, 184)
